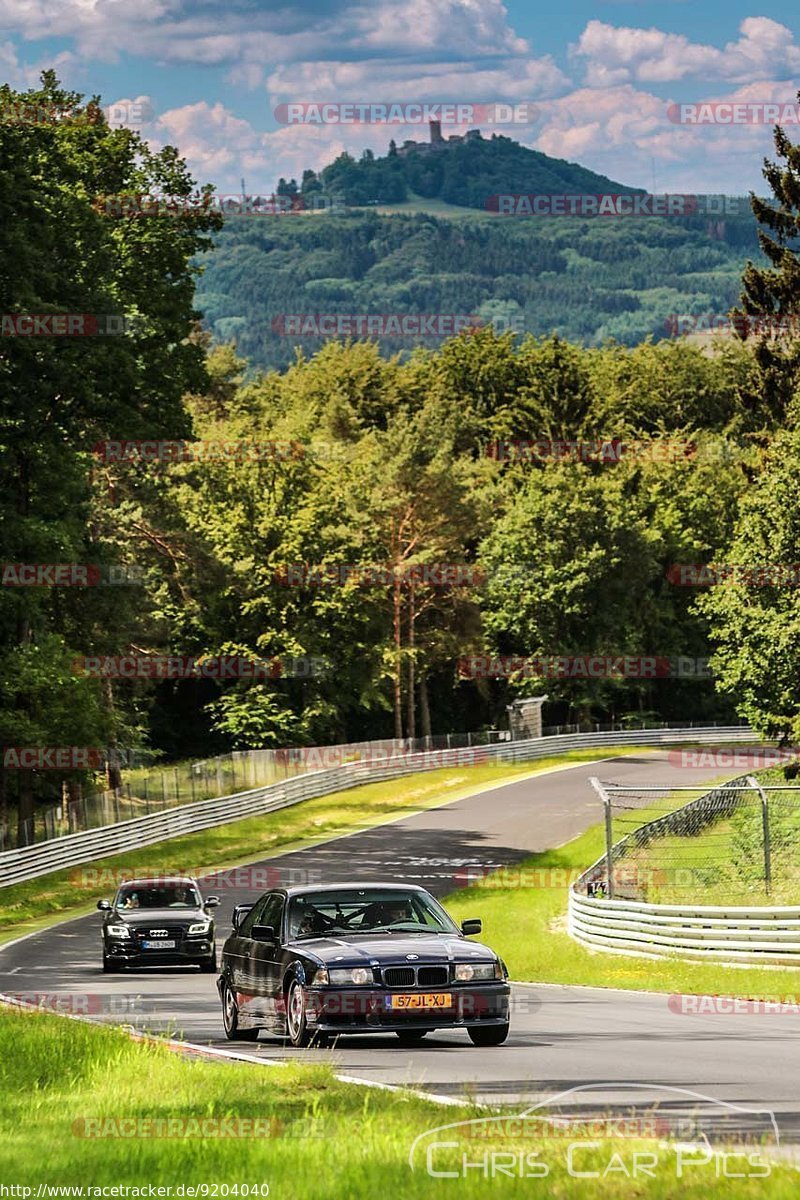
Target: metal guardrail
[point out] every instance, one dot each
(31, 862)
(741, 934)
(738, 933)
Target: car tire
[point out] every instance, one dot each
(208, 965)
(296, 1022)
(230, 1019)
(488, 1035)
(108, 966)
(411, 1037)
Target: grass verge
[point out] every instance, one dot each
(28, 906)
(69, 1090)
(524, 913)
(725, 863)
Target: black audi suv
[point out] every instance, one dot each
(158, 922)
(311, 963)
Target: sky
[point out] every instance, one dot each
(598, 79)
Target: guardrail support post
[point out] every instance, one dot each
(765, 827)
(604, 796)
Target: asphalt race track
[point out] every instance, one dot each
(560, 1037)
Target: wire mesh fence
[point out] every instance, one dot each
(736, 844)
(146, 789)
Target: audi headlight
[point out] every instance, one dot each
(200, 927)
(465, 972)
(119, 931)
(357, 975)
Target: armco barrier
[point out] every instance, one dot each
(30, 862)
(737, 934)
(744, 935)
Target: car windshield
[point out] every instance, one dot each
(371, 910)
(177, 895)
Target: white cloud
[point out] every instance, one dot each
(246, 32)
(620, 54)
(378, 80)
(624, 132)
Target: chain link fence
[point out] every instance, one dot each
(149, 789)
(736, 844)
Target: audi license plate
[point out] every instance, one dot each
(420, 1000)
(161, 944)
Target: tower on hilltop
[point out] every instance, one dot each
(436, 132)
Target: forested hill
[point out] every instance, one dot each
(587, 279)
(466, 173)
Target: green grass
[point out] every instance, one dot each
(724, 863)
(27, 906)
(524, 913)
(432, 206)
(318, 1137)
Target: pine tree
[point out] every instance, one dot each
(772, 293)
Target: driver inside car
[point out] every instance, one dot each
(387, 912)
(311, 921)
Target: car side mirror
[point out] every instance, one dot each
(263, 933)
(239, 914)
(211, 902)
(474, 925)
(104, 905)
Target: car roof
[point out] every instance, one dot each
(159, 881)
(357, 885)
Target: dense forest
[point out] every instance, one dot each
(588, 280)
(385, 517)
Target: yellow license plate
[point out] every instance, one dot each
(420, 1000)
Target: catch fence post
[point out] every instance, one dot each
(765, 829)
(604, 796)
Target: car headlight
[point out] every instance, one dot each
(465, 972)
(119, 931)
(357, 975)
(200, 927)
(321, 976)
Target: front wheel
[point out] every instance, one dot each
(108, 966)
(208, 965)
(230, 1019)
(488, 1035)
(296, 1021)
